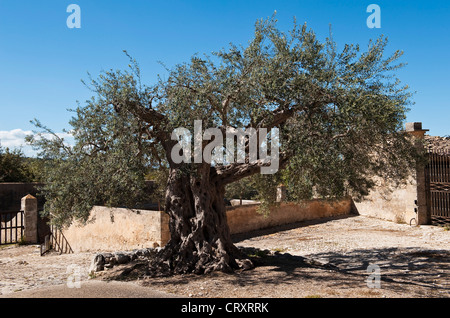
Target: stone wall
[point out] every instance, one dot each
(400, 204)
(390, 203)
(246, 218)
(117, 229)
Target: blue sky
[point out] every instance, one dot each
(42, 61)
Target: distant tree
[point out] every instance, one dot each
(243, 189)
(35, 168)
(340, 116)
(14, 166)
(159, 177)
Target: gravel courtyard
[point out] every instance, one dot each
(325, 258)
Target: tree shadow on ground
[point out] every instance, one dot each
(415, 270)
(405, 272)
(410, 271)
(285, 227)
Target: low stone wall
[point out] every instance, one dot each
(117, 229)
(246, 218)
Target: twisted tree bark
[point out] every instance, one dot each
(200, 237)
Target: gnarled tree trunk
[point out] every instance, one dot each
(200, 237)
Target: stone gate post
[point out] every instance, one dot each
(423, 209)
(30, 215)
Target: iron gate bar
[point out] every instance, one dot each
(6, 223)
(438, 179)
(56, 241)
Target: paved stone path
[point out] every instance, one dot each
(92, 289)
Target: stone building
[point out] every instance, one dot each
(425, 199)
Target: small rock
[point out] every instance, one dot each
(122, 258)
(107, 255)
(245, 264)
(144, 252)
(112, 261)
(97, 264)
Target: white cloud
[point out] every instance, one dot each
(15, 138)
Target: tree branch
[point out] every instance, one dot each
(236, 171)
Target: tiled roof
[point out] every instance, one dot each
(436, 143)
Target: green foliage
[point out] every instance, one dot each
(104, 167)
(21, 241)
(340, 115)
(159, 177)
(243, 189)
(35, 168)
(14, 167)
(266, 186)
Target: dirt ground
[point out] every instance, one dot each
(340, 257)
(22, 268)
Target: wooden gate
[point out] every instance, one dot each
(11, 227)
(438, 186)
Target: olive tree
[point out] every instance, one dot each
(14, 166)
(339, 114)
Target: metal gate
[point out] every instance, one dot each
(11, 227)
(438, 185)
(56, 241)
